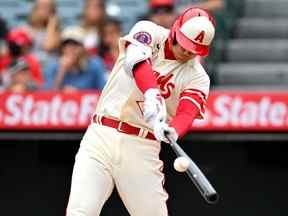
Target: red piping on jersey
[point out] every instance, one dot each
(197, 97)
(143, 75)
(194, 97)
(195, 90)
(185, 114)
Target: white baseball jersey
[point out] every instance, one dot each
(109, 158)
(121, 99)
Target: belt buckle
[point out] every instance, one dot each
(119, 127)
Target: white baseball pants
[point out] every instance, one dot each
(108, 158)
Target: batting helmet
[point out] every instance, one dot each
(194, 30)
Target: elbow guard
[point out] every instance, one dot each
(134, 55)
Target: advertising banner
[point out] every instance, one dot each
(245, 111)
(47, 110)
(226, 111)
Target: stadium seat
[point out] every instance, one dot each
(9, 9)
(256, 54)
(267, 74)
(266, 8)
(130, 11)
(260, 50)
(69, 8)
(262, 28)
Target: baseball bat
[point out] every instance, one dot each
(196, 175)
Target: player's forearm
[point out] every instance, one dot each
(185, 115)
(154, 103)
(143, 75)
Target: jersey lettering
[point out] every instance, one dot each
(199, 38)
(165, 86)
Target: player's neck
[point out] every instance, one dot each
(168, 51)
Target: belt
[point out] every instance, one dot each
(123, 127)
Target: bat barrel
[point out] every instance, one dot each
(202, 183)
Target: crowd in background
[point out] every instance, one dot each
(45, 55)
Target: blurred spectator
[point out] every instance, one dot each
(94, 16)
(3, 33)
(108, 49)
(210, 5)
(3, 29)
(75, 69)
(44, 27)
(19, 45)
(162, 12)
(17, 77)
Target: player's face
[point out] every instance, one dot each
(181, 54)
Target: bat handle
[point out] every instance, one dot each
(166, 134)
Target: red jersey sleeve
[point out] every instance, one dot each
(191, 106)
(143, 75)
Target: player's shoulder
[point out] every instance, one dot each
(146, 33)
(201, 70)
(149, 27)
(196, 71)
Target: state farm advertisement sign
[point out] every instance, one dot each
(45, 110)
(226, 111)
(241, 111)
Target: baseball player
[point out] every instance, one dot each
(156, 89)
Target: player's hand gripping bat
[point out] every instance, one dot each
(196, 175)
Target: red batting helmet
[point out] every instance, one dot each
(194, 30)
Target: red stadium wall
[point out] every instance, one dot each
(226, 111)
